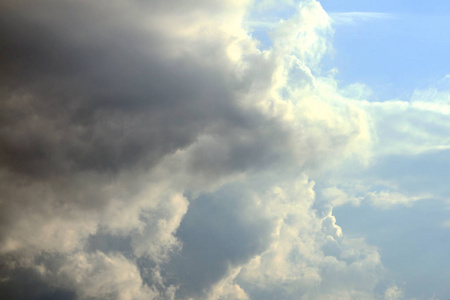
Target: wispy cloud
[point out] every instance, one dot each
(355, 17)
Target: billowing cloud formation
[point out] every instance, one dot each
(150, 150)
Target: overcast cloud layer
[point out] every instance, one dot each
(151, 150)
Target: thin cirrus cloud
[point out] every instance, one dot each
(354, 17)
(151, 150)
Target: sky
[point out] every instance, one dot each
(224, 150)
(414, 31)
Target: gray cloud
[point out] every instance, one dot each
(140, 141)
(100, 93)
(27, 283)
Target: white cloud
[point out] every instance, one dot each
(412, 125)
(309, 256)
(393, 293)
(104, 276)
(338, 197)
(355, 17)
(385, 199)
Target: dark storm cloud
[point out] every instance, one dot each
(23, 283)
(85, 89)
(92, 90)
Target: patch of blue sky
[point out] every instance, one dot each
(435, 7)
(411, 240)
(392, 53)
(394, 47)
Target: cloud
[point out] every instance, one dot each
(151, 150)
(355, 17)
(393, 293)
(407, 156)
(307, 254)
(413, 126)
(386, 199)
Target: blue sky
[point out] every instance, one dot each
(435, 7)
(394, 53)
(411, 240)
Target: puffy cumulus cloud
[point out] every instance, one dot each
(302, 39)
(309, 258)
(150, 150)
(101, 276)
